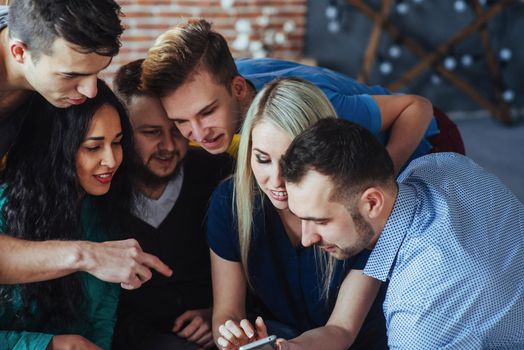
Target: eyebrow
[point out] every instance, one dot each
(311, 218)
(260, 151)
(101, 138)
(209, 105)
(307, 218)
(86, 74)
(149, 126)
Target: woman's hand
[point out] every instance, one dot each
(235, 334)
(71, 342)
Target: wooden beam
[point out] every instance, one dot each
(374, 38)
(421, 52)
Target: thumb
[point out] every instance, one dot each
(282, 344)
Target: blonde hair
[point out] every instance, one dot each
(291, 105)
(181, 51)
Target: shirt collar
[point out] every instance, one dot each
(382, 258)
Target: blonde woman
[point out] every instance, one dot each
(256, 246)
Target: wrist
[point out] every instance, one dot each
(80, 257)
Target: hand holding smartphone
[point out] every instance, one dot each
(262, 344)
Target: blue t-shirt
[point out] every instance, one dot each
(284, 278)
(350, 98)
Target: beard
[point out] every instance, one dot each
(364, 233)
(146, 178)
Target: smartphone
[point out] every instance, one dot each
(262, 344)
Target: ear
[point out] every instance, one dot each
(239, 87)
(18, 51)
(372, 203)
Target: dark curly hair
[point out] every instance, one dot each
(44, 198)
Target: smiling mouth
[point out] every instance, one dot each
(104, 178)
(279, 195)
(212, 143)
(76, 101)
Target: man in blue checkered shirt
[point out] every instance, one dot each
(446, 235)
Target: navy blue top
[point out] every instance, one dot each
(350, 98)
(284, 278)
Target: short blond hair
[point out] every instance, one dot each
(181, 51)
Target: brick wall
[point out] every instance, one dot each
(255, 28)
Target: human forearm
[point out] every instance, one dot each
(408, 130)
(24, 261)
(405, 118)
(329, 337)
(123, 262)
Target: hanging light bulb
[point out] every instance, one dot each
(505, 54)
(418, 1)
(394, 51)
(466, 60)
(450, 63)
(460, 6)
(385, 68)
(508, 95)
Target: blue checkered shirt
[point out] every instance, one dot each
(453, 252)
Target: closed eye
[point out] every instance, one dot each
(262, 159)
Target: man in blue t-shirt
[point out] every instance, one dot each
(207, 95)
(445, 234)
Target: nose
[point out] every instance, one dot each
(87, 86)
(108, 159)
(198, 131)
(167, 143)
(275, 178)
(309, 236)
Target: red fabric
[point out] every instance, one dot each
(449, 138)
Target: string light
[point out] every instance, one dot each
(331, 12)
(394, 51)
(386, 68)
(450, 63)
(436, 79)
(508, 95)
(333, 27)
(402, 8)
(505, 54)
(460, 6)
(466, 60)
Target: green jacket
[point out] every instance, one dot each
(101, 311)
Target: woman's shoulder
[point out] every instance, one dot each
(224, 191)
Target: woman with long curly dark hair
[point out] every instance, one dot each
(61, 183)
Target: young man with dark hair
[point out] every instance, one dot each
(445, 234)
(56, 49)
(173, 183)
(192, 70)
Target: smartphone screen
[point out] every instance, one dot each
(262, 344)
